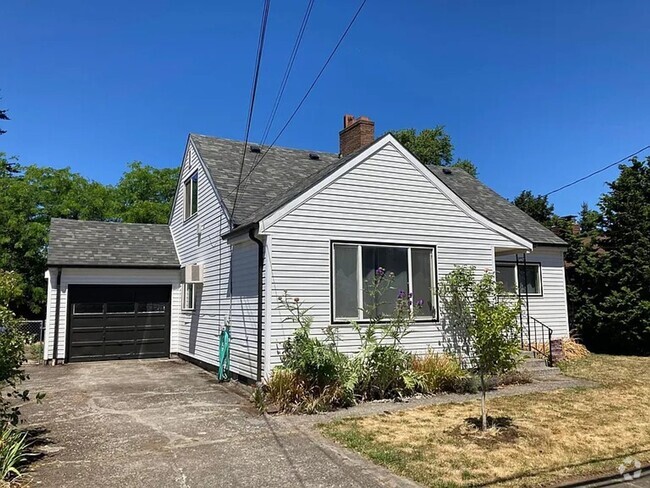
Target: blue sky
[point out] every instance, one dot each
(535, 93)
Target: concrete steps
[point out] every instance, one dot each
(536, 366)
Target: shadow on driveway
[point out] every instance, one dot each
(167, 423)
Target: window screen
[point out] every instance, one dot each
(421, 261)
(345, 282)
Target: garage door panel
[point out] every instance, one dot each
(118, 322)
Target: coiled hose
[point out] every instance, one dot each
(224, 355)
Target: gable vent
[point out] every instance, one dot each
(314, 156)
(255, 149)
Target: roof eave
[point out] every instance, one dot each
(118, 266)
(238, 231)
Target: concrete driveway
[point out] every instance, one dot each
(164, 423)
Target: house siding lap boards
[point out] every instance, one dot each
(551, 307)
(383, 199)
(198, 331)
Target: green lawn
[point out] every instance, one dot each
(544, 437)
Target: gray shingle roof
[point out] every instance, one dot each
(494, 207)
(273, 178)
(286, 173)
(86, 243)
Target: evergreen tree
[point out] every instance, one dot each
(618, 321)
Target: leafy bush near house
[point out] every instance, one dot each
(12, 351)
(315, 376)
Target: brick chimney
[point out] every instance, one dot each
(356, 134)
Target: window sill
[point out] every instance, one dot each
(191, 217)
(384, 321)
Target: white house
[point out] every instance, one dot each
(314, 225)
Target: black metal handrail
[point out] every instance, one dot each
(536, 337)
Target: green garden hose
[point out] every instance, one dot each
(224, 355)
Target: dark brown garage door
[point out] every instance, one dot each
(118, 322)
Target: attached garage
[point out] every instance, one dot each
(118, 322)
(113, 292)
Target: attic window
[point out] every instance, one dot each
(314, 156)
(191, 195)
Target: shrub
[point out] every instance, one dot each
(13, 451)
(439, 372)
(385, 373)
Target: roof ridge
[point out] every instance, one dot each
(106, 222)
(286, 148)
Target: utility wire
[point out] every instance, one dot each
(287, 71)
(309, 90)
(258, 62)
(598, 171)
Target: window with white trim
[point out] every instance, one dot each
(522, 277)
(191, 195)
(355, 265)
(189, 296)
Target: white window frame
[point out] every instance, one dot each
(189, 186)
(516, 266)
(184, 302)
(359, 245)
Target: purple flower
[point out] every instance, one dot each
(380, 271)
(420, 302)
(410, 295)
(401, 295)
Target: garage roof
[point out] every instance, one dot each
(83, 243)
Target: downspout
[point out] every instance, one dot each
(521, 312)
(57, 313)
(527, 307)
(260, 310)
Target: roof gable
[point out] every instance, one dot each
(286, 174)
(110, 244)
(281, 169)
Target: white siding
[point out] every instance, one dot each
(383, 199)
(551, 307)
(103, 276)
(198, 331)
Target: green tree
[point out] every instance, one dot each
(29, 198)
(588, 219)
(618, 320)
(145, 194)
(481, 311)
(433, 146)
(538, 207)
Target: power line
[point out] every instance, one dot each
(598, 171)
(287, 71)
(258, 62)
(302, 101)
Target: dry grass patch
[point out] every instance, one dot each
(542, 438)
